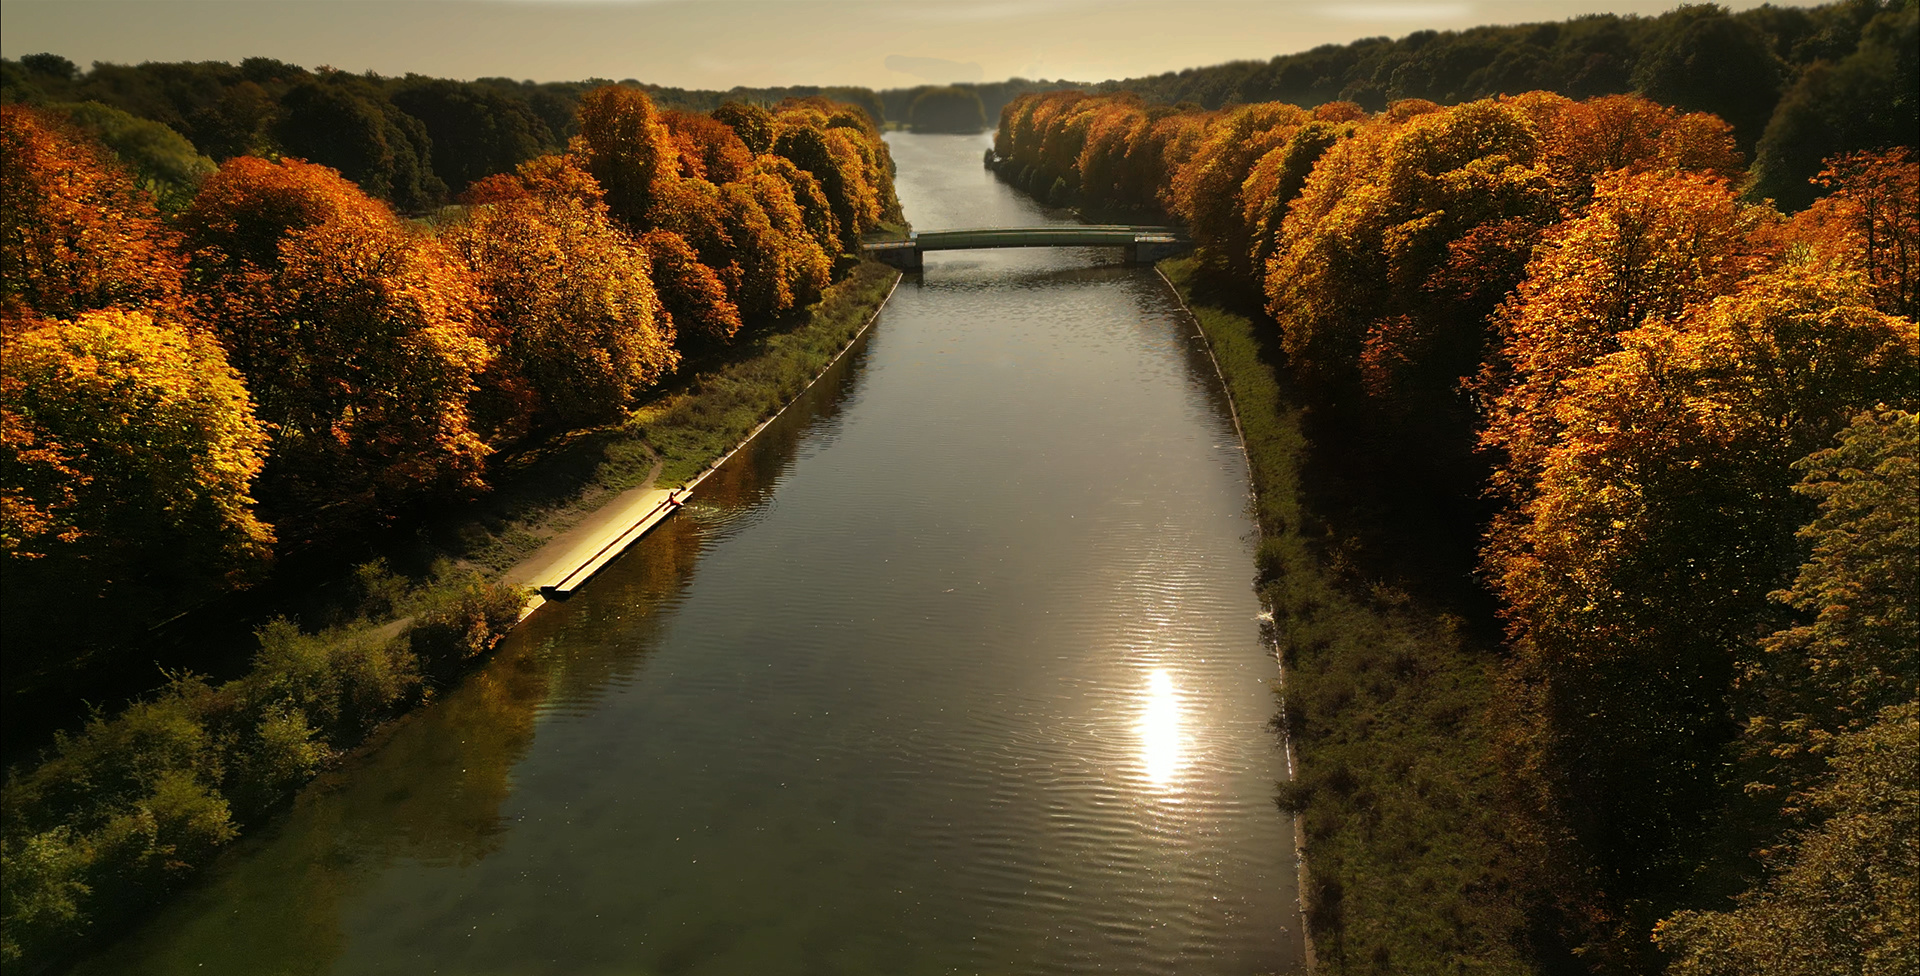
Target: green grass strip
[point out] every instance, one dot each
(1385, 703)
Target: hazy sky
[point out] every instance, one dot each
(722, 43)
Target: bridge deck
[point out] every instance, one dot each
(1082, 236)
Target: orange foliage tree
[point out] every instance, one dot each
(1402, 240)
(1870, 222)
(1277, 178)
(782, 266)
(1411, 232)
(751, 201)
(752, 124)
(816, 214)
(359, 338)
(1649, 246)
(692, 297)
(708, 149)
(75, 233)
(628, 151)
(571, 305)
(832, 157)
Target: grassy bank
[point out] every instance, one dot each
(124, 810)
(1385, 702)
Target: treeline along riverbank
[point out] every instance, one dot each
(1587, 484)
(414, 142)
(286, 368)
(1798, 84)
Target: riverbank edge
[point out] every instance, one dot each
(472, 611)
(1398, 868)
(1245, 388)
(615, 530)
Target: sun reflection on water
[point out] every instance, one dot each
(1160, 730)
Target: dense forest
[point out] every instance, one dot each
(187, 396)
(414, 142)
(1674, 427)
(1798, 84)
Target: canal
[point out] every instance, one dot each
(957, 669)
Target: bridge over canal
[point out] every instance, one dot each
(1143, 245)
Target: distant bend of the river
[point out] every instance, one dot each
(957, 669)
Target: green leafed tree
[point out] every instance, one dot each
(370, 141)
(1868, 100)
(163, 162)
(1845, 896)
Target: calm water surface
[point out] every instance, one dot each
(956, 670)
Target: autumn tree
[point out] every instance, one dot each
(1870, 223)
(121, 432)
(816, 212)
(572, 307)
(1206, 192)
(753, 124)
(707, 148)
(1585, 140)
(359, 338)
(628, 151)
(692, 208)
(1275, 181)
(692, 297)
(128, 452)
(75, 234)
(812, 149)
(1649, 246)
(1637, 573)
(781, 266)
(1115, 132)
(1404, 238)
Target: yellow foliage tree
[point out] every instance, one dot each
(128, 453)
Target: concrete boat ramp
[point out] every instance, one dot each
(571, 558)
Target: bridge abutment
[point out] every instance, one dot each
(904, 258)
